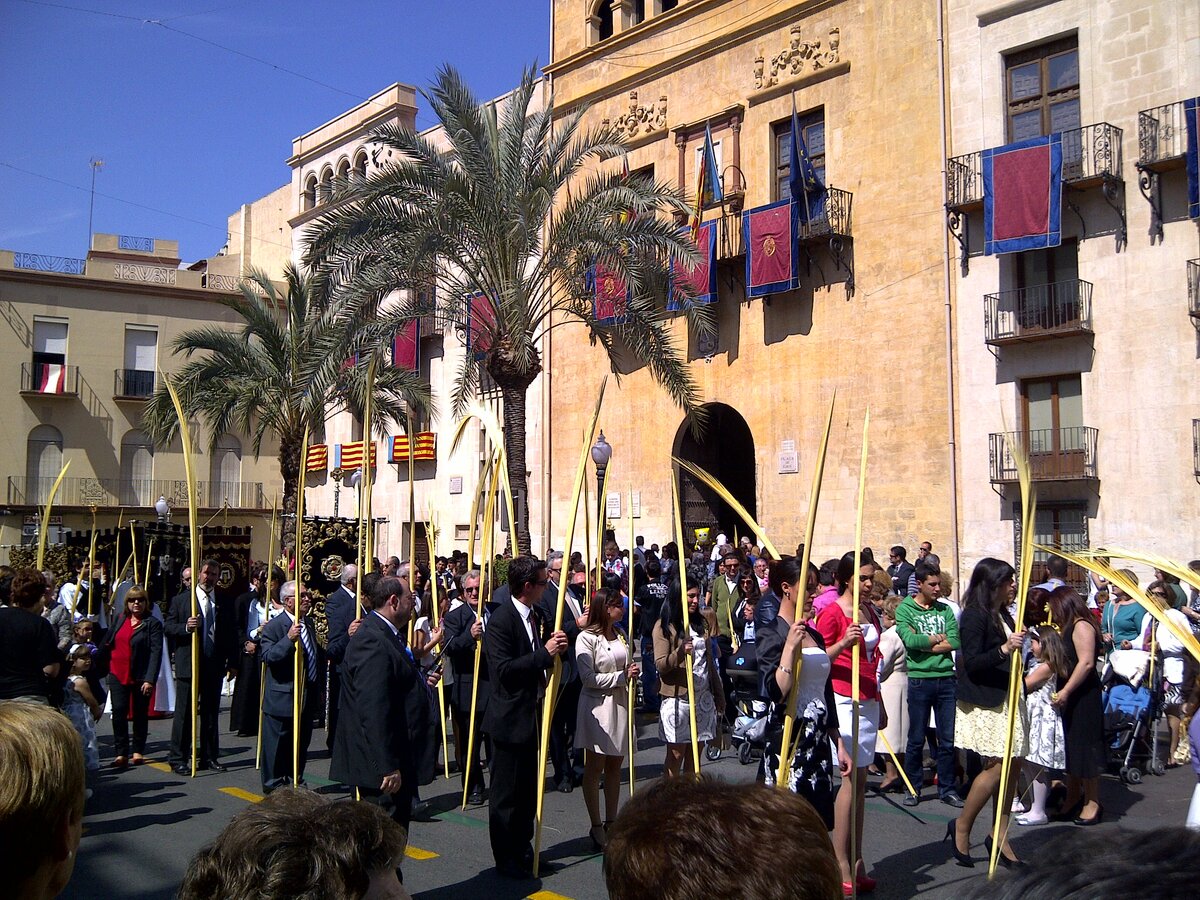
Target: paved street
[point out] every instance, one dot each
(143, 826)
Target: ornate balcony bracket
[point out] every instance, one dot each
(959, 225)
(843, 260)
(1151, 188)
(1113, 192)
(1078, 214)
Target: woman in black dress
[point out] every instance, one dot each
(1081, 705)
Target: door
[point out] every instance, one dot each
(1053, 415)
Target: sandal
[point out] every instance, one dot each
(138, 759)
(120, 762)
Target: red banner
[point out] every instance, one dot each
(480, 325)
(406, 347)
(770, 239)
(611, 299)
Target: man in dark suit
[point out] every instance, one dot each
(463, 630)
(385, 706)
(900, 570)
(216, 627)
(520, 648)
(566, 708)
(340, 608)
(282, 637)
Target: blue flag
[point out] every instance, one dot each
(806, 187)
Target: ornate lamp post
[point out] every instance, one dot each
(163, 509)
(601, 454)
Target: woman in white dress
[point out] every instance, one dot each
(602, 723)
(673, 649)
(1047, 669)
(893, 686)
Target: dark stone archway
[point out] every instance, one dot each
(725, 448)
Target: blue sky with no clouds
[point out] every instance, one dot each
(189, 130)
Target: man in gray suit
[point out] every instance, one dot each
(282, 637)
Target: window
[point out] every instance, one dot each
(812, 129)
(1057, 525)
(137, 470)
(43, 462)
(343, 170)
(1042, 86)
(309, 200)
(1048, 287)
(604, 18)
(326, 185)
(141, 361)
(1055, 439)
(360, 164)
(49, 351)
(225, 472)
(662, 6)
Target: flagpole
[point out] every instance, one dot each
(266, 602)
(484, 477)
(441, 687)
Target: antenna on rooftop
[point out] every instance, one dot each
(97, 165)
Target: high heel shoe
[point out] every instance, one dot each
(1005, 861)
(962, 859)
(598, 836)
(1094, 820)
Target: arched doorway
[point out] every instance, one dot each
(725, 449)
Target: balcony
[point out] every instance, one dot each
(132, 384)
(1162, 137)
(730, 240)
(834, 222)
(113, 492)
(1038, 313)
(1091, 156)
(1196, 447)
(1055, 454)
(49, 380)
(1194, 291)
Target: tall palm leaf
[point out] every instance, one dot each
(516, 211)
(296, 358)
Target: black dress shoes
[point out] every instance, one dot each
(475, 798)
(181, 769)
(213, 765)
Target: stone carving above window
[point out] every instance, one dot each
(798, 58)
(640, 120)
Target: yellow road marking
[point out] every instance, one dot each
(162, 767)
(417, 853)
(547, 895)
(241, 795)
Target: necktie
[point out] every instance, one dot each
(310, 654)
(210, 628)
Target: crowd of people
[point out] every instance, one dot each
(929, 719)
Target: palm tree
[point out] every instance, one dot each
(298, 357)
(511, 215)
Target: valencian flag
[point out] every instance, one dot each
(610, 295)
(708, 182)
(1191, 112)
(318, 458)
(350, 456)
(406, 346)
(703, 276)
(806, 188)
(426, 447)
(481, 321)
(769, 234)
(1022, 195)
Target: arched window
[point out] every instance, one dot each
(309, 200)
(600, 24)
(326, 185)
(360, 164)
(137, 470)
(225, 472)
(343, 170)
(43, 462)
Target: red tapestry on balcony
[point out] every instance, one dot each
(702, 278)
(769, 235)
(481, 322)
(1191, 118)
(51, 378)
(406, 347)
(610, 296)
(1022, 195)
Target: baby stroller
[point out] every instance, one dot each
(750, 726)
(1133, 702)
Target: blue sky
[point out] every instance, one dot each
(189, 131)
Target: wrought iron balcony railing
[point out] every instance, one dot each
(1055, 454)
(133, 384)
(1038, 312)
(50, 379)
(1090, 154)
(730, 241)
(1196, 447)
(1162, 136)
(834, 220)
(1194, 290)
(137, 492)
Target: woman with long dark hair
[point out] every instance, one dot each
(602, 721)
(789, 648)
(988, 638)
(1081, 704)
(675, 647)
(836, 624)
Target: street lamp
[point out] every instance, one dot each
(601, 454)
(163, 508)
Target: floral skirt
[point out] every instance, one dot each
(810, 772)
(984, 730)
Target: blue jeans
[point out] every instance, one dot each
(925, 694)
(650, 699)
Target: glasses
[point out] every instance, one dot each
(133, 600)
(471, 590)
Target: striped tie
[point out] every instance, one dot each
(310, 653)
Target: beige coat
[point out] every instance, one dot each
(602, 723)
